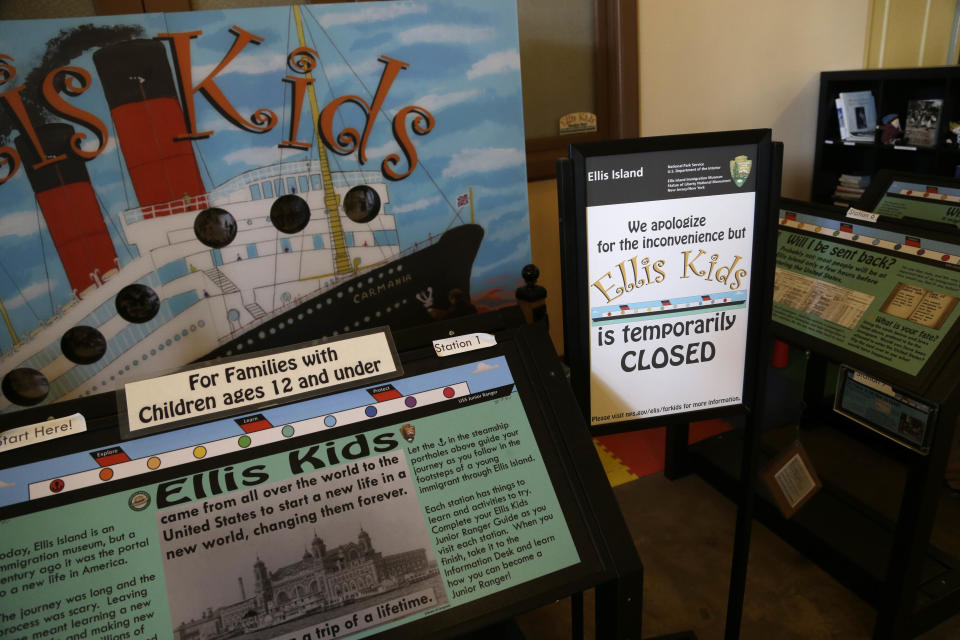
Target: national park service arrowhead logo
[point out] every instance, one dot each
(740, 169)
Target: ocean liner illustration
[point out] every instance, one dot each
(281, 253)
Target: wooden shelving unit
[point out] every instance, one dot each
(892, 89)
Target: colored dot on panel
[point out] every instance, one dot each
(876, 241)
(920, 252)
(856, 237)
(370, 411)
(244, 442)
(287, 431)
(783, 221)
(800, 225)
(945, 257)
(836, 233)
(818, 228)
(329, 421)
(410, 401)
(106, 474)
(56, 485)
(199, 452)
(897, 247)
(153, 463)
(448, 392)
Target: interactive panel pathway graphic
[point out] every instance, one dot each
(460, 385)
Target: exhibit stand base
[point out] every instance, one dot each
(847, 538)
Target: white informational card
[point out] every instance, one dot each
(669, 260)
(265, 378)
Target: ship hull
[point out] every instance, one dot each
(396, 295)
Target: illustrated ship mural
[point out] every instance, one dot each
(282, 253)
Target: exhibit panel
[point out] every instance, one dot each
(422, 505)
(873, 294)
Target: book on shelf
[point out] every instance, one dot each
(923, 121)
(853, 180)
(844, 199)
(858, 116)
(856, 191)
(843, 127)
(849, 188)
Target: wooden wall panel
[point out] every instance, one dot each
(909, 33)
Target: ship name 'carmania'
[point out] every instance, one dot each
(383, 287)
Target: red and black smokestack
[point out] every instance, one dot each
(142, 96)
(69, 206)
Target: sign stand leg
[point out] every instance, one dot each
(741, 540)
(675, 462)
(576, 616)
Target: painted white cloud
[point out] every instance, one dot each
(483, 366)
(520, 253)
(5, 485)
(512, 226)
(254, 156)
(417, 205)
(250, 65)
(368, 67)
(91, 143)
(434, 102)
(216, 122)
(446, 34)
(483, 160)
(370, 14)
(35, 290)
(377, 154)
(496, 62)
(21, 224)
(515, 189)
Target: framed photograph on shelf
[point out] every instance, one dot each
(923, 120)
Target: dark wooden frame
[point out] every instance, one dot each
(616, 88)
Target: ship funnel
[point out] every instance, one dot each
(69, 206)
(142, 96)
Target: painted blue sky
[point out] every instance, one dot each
(464, 68)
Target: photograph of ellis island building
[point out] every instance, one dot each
(324, 583)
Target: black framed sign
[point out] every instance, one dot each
(417, 507)
(664, 262)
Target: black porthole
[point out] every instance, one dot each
(215, 227)
(83, 344)
(25, 387)
(362, 203)
(290, 213)
(137, 303)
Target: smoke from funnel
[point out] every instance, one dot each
(61, 50)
